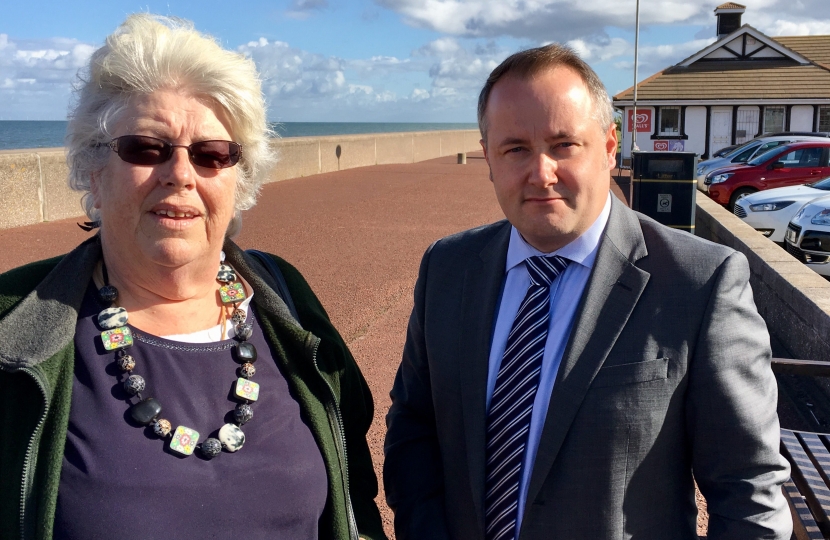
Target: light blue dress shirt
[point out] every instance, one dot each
(566, 292)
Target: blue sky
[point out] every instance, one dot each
(375, 60)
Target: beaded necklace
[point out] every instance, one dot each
(118, 337)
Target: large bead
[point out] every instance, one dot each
(108, 294)
(244, 352)
(112, 318)
(243, 413)
(232, 293)
(244, 331)
(134, 384)
(162, 427)
(184, 440)
(226, 274)
(117, 338)
(238, 316)
(231, 437)
(246, 389)
(126, 363)
(247, 370)
(145, 411)
(211, 448)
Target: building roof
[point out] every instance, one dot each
(777, 77)
(730, 5)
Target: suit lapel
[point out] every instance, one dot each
(610, 296)
(480, 296)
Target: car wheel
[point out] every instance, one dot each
(739, 194)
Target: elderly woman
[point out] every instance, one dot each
(153, 382)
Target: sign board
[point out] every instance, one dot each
(643, 120)
(674, 145)
(664, 202)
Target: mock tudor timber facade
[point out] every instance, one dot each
(743, 85)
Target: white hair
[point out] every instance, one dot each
(149, 53)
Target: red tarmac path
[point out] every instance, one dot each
(356, 235)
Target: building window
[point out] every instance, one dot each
(824, 118)
(669, 120)
(773, 119)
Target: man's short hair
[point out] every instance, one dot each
(526, 64)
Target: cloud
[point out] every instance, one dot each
(301, 85)
(38, 76)
(538, 20)
(303, 9)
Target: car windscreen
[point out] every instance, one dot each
(769, 154)
(738, 149)
(745, 154)
(821, 184)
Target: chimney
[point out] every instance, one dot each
(729, 18)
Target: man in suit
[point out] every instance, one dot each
(571, 372)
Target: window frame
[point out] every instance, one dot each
(783, 109)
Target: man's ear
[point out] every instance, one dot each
(611, 146)
(486, 157)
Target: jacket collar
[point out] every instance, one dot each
(44, 321)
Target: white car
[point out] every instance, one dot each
(746, 152)
(769, 211)
(808, 235)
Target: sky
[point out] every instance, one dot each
(375, 60)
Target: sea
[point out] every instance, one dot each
(18, 134)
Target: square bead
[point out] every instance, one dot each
(247, 389)
(117, 338)
(232, 293)
(184, 440)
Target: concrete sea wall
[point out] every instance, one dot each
(33, 182)
(794, 300)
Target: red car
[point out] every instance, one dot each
(787, 165)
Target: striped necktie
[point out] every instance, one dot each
(508, 420)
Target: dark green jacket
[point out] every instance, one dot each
(39, 306)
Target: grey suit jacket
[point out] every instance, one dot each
(667, 371)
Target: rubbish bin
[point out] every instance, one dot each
(663, 187)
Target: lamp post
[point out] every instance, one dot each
(634, 147)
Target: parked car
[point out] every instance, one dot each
(808, 235)
(725, 150)
(788, 165)
(750, 150)
(769, 212)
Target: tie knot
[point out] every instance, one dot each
(543, 270)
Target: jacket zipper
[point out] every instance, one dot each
(336, 418)
(25, 486)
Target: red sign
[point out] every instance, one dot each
(661, 146)
(643, 120)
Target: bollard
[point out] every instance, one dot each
(462, 158)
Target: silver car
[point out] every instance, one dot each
(808, 235)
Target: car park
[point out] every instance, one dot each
(808, 235)
(750, 150)
(788, 165)
(769, 212)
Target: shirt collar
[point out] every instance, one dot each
(583, 250)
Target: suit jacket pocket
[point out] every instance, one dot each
(637, 372)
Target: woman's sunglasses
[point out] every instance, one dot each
(143, 150)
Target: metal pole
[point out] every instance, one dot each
(634, 147)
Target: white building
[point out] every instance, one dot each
(743, 85)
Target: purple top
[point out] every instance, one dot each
(121, 481)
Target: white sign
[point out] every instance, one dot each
(663, 202)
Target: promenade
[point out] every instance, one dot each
(356, 235)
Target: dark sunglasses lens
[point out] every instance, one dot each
(140, 150)
(215, 154)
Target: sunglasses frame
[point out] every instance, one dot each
(169, 147)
